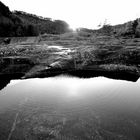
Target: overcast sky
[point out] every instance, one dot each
(80, 13)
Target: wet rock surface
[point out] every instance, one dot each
(50, 58)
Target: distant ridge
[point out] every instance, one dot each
(20, 24)
(129, 29)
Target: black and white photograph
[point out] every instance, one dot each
(69, 70)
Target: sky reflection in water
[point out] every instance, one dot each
(71, 106)
(62, 89)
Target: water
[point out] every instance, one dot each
(70, 108)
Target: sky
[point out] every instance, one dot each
(80, 13)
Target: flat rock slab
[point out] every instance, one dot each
(43, 60)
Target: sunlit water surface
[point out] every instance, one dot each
(66, 107)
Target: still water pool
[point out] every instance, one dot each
(70, 108)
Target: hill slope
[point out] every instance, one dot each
(19, 23)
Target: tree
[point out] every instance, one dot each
(107, 29)
(4, 10)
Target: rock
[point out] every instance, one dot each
(6, 40)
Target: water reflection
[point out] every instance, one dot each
(70, 108)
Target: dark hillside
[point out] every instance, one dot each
(12, 25)
(19, 23)
(44, 25)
